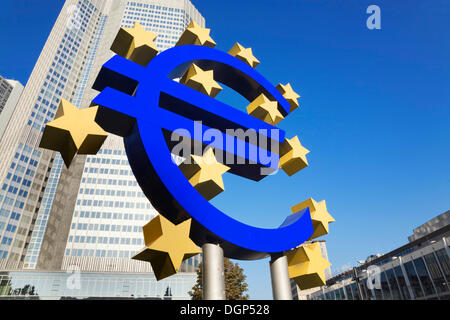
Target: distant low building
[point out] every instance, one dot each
(419, 270)
(10, 91)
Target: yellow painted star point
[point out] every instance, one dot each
(135, 44)
(265, 110)
(166, 246)
(202, 81)
(293, 156)
(205, 174)
(307, 266)
(290, 95)
(244, 54)
(320, 216)
(73, 131)
(196, 35)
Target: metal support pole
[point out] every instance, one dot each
(213, 272)
(281, 284)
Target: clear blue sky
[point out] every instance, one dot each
(374, 111)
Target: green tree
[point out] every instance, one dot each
(235, 285)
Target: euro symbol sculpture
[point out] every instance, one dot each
(145, 97)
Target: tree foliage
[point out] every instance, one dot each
(235, 285)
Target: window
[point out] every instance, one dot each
(355, 291)
(367, 293)
(413, 279)
(396, 294)
(347, 289)
(385, 287)
(444, 262)
(436, 274)
(424, 277)
(402, 282)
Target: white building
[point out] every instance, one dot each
(10, 91)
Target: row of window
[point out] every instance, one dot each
(105, 227)
(424, 277)
(53, 285)
(112, 193)
(113, 204)
(100, 253)
(110, 182)
(105, 240)
(108, 171)
(111, 215)
(106, 161)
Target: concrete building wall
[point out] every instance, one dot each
(430, 226)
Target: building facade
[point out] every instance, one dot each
(90, 215)
(59, 285)
(419, 270)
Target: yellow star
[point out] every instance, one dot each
(73, 130)
(319, 216)
(135, 44)
(202, 81)
(290, 95)
(293, 156)
(196, 35)
(244, 54)
(205, 174)
(307, 266)
(265, 109)
(166, 246)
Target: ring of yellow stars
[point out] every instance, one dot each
(73, 131)
(166, 246)
(136, 44)
(265, 110)
(307, 266)
(244, 54)
(205, 174)
(293, 156)
(290, 95)
(319, 216)
(202, 81)
(196, 35)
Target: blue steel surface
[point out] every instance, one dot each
(144, 113)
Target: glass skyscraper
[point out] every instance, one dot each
(90, 215)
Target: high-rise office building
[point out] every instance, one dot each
(25, 168)
(10, 91)
(90, 215)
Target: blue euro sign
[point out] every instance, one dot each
(145, 104)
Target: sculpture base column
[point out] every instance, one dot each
(213, 272)
(281, 284)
